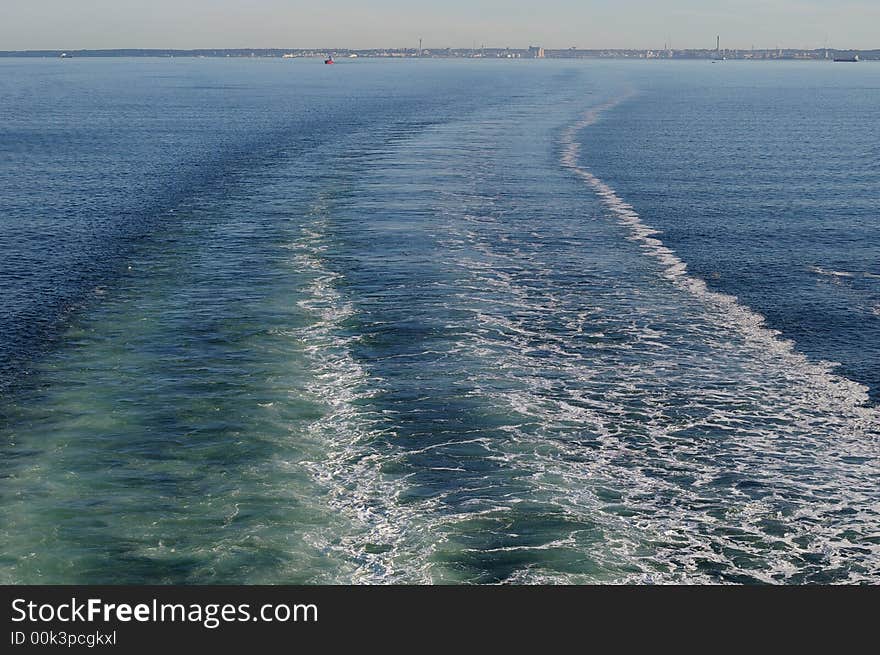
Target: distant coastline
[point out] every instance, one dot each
(820, 54)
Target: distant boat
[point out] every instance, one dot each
(854, 58)
(64, 55)
(329, 60)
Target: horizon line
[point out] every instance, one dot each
(439, 48)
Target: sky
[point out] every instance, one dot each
(183, 24)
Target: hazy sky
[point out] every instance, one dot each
(71, 24)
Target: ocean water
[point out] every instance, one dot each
(268, 321)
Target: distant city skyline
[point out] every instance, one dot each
(681, 24)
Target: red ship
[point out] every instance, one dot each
(329, 60)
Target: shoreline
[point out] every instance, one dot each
(820, 54)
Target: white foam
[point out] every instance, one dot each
(742, 405)
(346, 467)
(844, 274)
(580, 416)
(822, 271)
(731, 312)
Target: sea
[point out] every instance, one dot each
(439, 321)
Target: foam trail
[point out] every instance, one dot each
(376, 534)
(663, 445)
(727, 308)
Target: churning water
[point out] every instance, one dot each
(267, 321)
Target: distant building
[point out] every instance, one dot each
(536, 52)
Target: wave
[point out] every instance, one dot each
(846, 274)
(726, 307)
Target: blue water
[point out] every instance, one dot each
(266, 321)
